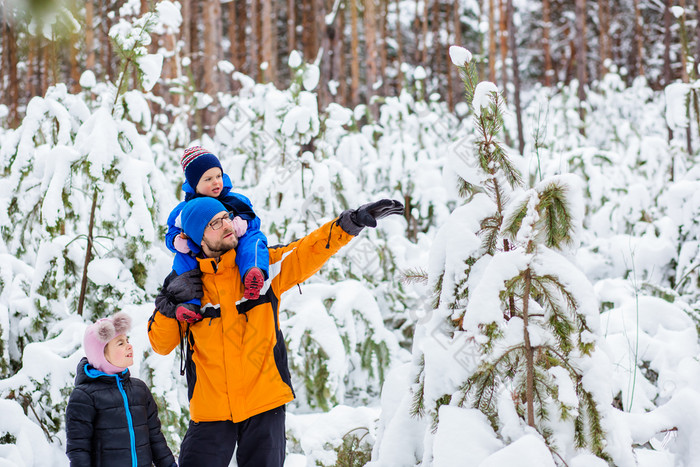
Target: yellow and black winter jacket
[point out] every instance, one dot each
(238, 366)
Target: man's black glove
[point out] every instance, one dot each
(354, 220)
(177, 290)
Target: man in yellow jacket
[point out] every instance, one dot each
(237, 374)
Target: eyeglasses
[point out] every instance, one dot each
(219, 221)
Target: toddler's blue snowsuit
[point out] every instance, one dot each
(252, 246)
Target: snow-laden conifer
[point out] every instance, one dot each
(514, 325)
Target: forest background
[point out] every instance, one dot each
(319, 106)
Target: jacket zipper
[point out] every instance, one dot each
(129, 421)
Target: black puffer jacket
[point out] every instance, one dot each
(112, 420)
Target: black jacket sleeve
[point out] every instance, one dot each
(162, 456)
(80, 414)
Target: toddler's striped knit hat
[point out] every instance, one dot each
(195, 162)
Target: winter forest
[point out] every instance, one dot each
(538, 304)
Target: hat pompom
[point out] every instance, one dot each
(104, 330)
(122, 323)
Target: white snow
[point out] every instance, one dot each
(294, 59)
(459, 55)
(483, 96)
(151, 66)
(632, 267)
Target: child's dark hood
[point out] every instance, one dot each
(190, 191)
(86, 374)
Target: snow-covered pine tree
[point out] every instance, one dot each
(280, 151)
(514, 324)
(81, 182)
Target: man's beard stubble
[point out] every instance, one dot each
(221, 246)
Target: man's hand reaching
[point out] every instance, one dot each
(354, 220)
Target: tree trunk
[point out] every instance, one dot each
(399, 52)
(416, 30)
(339, 57)
(436, 45)
(309, 35)
(9, 63)
(240, 41)
(667, 64)
(88, 255)
(268, 53)
(291, 26)
(255, 57)
(697, 42)
(492, 41)
(639, 39)
(684, 45)
(457, 22)
(503, 32)
(529, 354)
(324, 56)
(212, 43)
(581, 57)
(355, 64)
(604, 35)
(106, 45)
(516, 77)
(667, 43)
(196, 42)
(383, 61)
(448, 71)
(46, 68)
(424, 33)
(89, 36)
(231, 32)
(546, 46)
(370, 20)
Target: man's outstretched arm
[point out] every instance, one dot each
(294, 263)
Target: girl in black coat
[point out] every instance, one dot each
(111, 418)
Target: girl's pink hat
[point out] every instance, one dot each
(98, 335)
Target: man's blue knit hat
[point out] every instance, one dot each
(195, 162)
(197, 214)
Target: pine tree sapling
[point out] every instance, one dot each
(523, 308)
